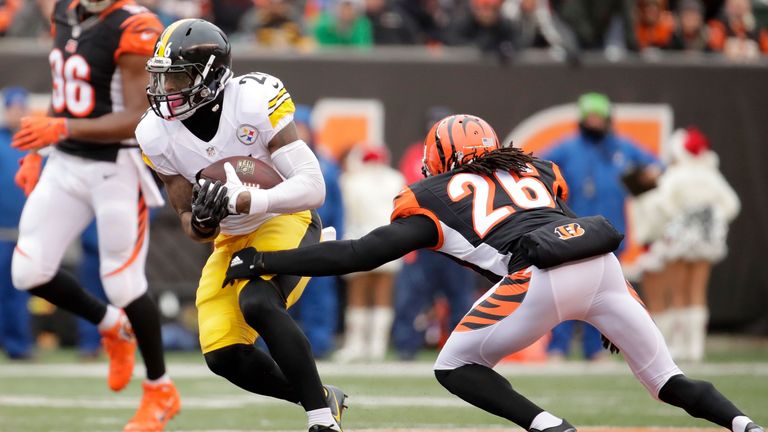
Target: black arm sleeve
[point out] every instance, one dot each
(379, 246)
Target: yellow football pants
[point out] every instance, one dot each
(218, 309)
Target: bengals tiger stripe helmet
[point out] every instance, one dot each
(456, 140)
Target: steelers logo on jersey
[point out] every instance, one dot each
(247, 134)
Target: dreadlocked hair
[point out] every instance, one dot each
(506, 159)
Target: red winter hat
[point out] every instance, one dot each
(378, 154)
(695, 141)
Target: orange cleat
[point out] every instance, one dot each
(160, 403)
(120, 345)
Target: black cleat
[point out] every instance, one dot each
(752, 427)
(562, 427)
(320, 428)
(337, 402)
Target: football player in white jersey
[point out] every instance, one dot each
(203, 114)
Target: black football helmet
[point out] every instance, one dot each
(191, 65)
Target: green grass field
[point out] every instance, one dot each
(58, 394)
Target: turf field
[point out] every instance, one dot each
(63, 395)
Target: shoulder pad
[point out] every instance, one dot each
(151, 134)
(256, 90)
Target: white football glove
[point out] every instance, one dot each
(235, 187)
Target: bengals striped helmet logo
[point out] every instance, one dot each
(569, 231)
(456, 140)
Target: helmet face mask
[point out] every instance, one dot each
(176, 94)
(190, 68)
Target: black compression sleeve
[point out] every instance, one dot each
(380, 246)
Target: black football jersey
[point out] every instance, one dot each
(480, 219)
(86, 77)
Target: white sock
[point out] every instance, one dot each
(110, 318)
(322, 417)
(664, 322)
(676, 341)
(356, 339)
(740, 423)
(165, 379)
(381, 327)
(545, 420)
(697, 318)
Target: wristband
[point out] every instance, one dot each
(199, 233)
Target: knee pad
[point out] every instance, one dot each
(123, 276)
(28, 272)
(223, 361)
(259, 300)
(442, 377)
(692, 395)
(122, 290)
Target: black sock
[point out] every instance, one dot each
(251, 369)
(145, 320)
(263, 306)
(65, 292)
(484, 388)
(699, 399)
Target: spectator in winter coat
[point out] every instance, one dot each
(736, 33)
(593, 163)
(486, 28)
(369, 185)
(692, 206)
(690, 34)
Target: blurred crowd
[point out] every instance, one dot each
(503, 28)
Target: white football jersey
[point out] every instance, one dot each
(255, 108)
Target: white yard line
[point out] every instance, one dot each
(389, 369)
(220, 402)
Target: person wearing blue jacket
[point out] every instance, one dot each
(15, 331)
(318, 310)
(593, 163)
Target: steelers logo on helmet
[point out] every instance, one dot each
(456, 140)
(190, 67)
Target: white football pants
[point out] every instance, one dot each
(526, 305)
(71, 191)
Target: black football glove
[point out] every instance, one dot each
(607, 344)
(245, 264)
(209, 206)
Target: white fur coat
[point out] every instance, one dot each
(687, 215)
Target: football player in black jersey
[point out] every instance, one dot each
(502, 212)
(95, 170)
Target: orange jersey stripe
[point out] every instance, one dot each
(405, 205)
(139, 35)
(143, 216)
(560, 186)
(21, 252)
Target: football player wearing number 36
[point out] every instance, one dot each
(202, 114)
(502, 212)
(95, 170)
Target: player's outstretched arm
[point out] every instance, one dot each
(118, 126)
(380, 246)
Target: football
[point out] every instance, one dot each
(252, 172)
